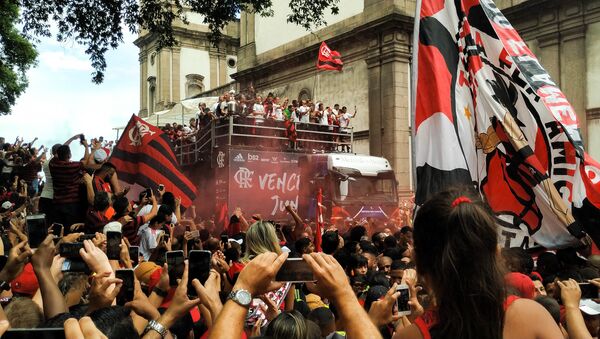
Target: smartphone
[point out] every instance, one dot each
(161, 187)
(198, 268)
(70, 250)
(3, 260)
(81, 138)
(134, 255)
(86, 237)
(36, 229)
(113, 240)
(165, 237)
(588, 291)
(402, 301)
(126, 292)
(56, 229)
(295, 270)
(101, 139)
(35, 333)
(75, 265)
(176, 264)
(224, 238)
(148, 193)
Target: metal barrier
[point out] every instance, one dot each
(262, 133)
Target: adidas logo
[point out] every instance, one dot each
(239, 158)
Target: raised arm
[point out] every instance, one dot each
(333, 285)
(153, 211)
(570, 294)
(53, 300)
(299, 223)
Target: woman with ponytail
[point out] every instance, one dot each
(456, 253)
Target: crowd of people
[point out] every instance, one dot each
(444, 276)
(270, 111)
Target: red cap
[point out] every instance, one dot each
(26, 283)
(521, 283)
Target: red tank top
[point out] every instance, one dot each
(430, 318)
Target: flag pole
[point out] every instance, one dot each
(413, 98)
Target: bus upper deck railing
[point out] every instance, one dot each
(265, 134)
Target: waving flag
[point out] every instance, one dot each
(328, 59)
(489, 116)
(144, 156)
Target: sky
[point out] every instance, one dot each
(62, 101)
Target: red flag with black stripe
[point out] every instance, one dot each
(144, 156)
(328, 59)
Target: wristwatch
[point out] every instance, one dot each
(241, 297)
(155, 326)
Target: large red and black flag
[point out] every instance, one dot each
(328, 59)
(143, 156)
(488, 115)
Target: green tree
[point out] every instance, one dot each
(98, 24)
(16, 56)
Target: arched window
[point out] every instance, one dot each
(151, 94)
(304, 94)
(194, 85)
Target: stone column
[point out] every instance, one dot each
(572, 73)
(389, 131)
(176, 82)
(143, 84)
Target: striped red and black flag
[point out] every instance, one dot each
(328, 59)
(144, 156)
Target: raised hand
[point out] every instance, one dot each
(101, 295)
(259, 274)
(332, 282)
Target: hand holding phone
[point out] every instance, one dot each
(175, 261)
(36, 229)
(128, 286)
(295, 270)
(198, 268)
(402, 301)
(113, 242)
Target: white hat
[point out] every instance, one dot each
(100, 155)
(7, 205)
(113, 226)
(589, 307)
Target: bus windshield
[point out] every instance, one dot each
(361, 188)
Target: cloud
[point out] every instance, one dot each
(58, 60)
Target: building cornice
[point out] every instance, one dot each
(393, 23)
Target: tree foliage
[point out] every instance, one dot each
(16, 56)
(98, 24)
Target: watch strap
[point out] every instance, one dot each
(233, 296)
(154, 325)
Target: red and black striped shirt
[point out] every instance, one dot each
(66, 178)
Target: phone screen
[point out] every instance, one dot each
(113, 240)
(134, 254)
(70, 250)
(295, 270)
(588, 291)
(224, 238)
(74, 265)
(56, 229)
(36, 229)
(127, 289)
(176, 264)
(86, 237)
(199, 268)
(402, 301)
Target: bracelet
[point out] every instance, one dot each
(159, 292)
(154, 325)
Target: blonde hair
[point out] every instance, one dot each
(260, 238)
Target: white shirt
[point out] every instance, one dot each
(148, 208)
(323, 120)
(304, 116)
(345, 119)
(48, 190)
(148, 240)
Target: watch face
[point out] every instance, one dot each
(243, 297)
